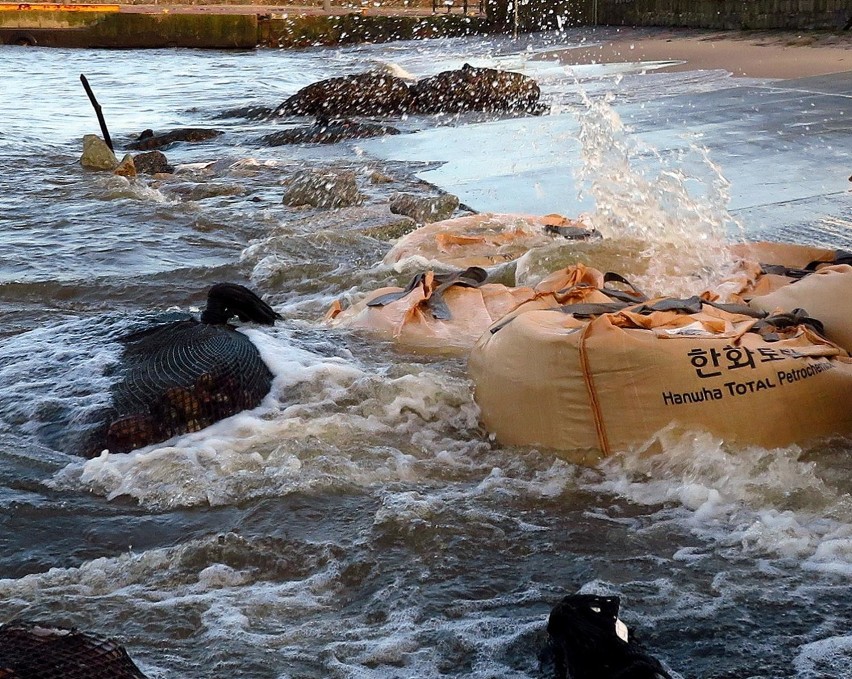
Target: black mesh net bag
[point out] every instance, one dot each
(185, 375)
(29, 650)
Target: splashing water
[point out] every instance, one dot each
(678, 221)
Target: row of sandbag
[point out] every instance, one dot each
(584, 363)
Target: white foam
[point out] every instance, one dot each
(830, 657)
(299, 438)
(759, 501)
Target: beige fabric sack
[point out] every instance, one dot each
(749, 277)
(593, 387)
(482, 240)
(465, 308)
(825, 294)
(786, 254)
(414, 321)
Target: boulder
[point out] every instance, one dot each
(126, 168)
(377, 177)
(250, 112)
(97, 155)
(367, 94)
(325, 131)
(152, 162)
(588, 641)
(148, 141)
(323, 188)
(424, 209)
(476, 89)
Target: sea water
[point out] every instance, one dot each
(359, 522)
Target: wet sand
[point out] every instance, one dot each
(757, 54)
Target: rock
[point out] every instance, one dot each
(148, 140)
(204, 190)
(374, 220)
(476, 89)
(250, 112)
(589, 642)
(152, 162)
(126, 168)
(424, 209)
(323, 188)
(326, 131)
(377, 177)
(368, 94)
(97, 155)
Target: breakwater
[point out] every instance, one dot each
(715, 14)
(109, 26)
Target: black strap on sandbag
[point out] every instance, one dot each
(472, 277)
(588, 310)
(767, 326)
(840, 257)
(571, 232)
(632, 296)
(741, 309)
(690, 305)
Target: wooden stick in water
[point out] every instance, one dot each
(98, 111)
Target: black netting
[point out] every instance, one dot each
(182, 377)
(33, 651)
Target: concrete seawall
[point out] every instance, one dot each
(220, 27)
(727, 14)
(714, 14)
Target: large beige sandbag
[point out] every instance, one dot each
(436, 314)
(762, 267)
(825, 294)
(595, 386)
(482, 240)
(786, 254)
(446, 313)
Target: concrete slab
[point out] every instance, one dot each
(783, 146)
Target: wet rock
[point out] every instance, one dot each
(476, 89)
(148, 141)
(374, 220)
(323, 188)
(368, 94)
(377, 177)
(32, 650)
(126, 168)
(204, 190)
(250, 112)
(152, 162)
(326, 131)
(587, 641)
(97, 155)
(424, 209)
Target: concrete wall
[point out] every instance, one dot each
(721, 14)
(739, 14)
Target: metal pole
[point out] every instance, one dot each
(98, 111)
(595, 20)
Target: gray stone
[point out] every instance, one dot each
(97, 155)
(424, 209)
(323, 188)
(373, 220)
(152, 162)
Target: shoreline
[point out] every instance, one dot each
(753, 54)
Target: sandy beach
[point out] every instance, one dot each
(755, 54)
